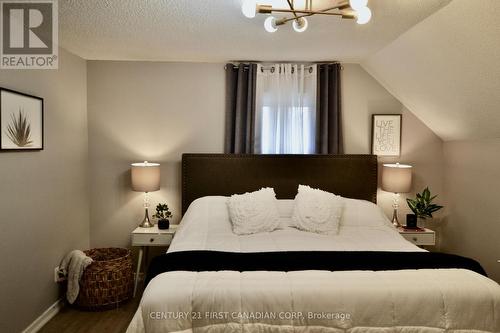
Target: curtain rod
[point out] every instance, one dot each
(237, 62)
(270, 63)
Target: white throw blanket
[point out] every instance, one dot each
(72, 266)
(404, 301)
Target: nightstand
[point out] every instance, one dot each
(420, 238)
(145, 237)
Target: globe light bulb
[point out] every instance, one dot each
(249, 8)
(358, 4)
(270, 24)
(300, 24)
(364, 15)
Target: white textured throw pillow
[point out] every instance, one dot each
(317, 211)
(254, 212)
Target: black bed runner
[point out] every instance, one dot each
(199, 261)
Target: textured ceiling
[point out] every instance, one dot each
(216, 31)
(446, 70)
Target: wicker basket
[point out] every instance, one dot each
(108, 281)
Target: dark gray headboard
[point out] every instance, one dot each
(351, 176)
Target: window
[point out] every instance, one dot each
(286, 109)
(289, 132)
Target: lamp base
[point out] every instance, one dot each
(146, 222)
(395, 221)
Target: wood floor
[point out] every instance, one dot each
(70, 320)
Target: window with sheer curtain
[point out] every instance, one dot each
(285, 109)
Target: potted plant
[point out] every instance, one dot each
(163, 214)
(422, 206)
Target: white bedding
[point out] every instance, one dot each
(405, 301)
(206, 226)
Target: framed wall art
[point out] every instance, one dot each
(21, 121)
(386, 134)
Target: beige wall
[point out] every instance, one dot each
(43, 195)
(157, 111)
(442, 69)
(472, 186)
(146, 111)
(420, 147)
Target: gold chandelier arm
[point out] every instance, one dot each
(310, 12)
(290, 3)
(344, 16)
(307, 11)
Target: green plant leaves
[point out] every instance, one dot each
(422, 206)
(162, 211)
(19, 130)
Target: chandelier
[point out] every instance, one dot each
(295, 13)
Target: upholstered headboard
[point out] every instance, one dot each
(351, 176)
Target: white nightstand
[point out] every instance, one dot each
(145, 237)
(420, 238)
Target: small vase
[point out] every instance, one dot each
(411, 221)
(421, 223)
(163, 224)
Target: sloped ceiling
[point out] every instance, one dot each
(217, 31)
(446, 70)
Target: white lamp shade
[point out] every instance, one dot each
(248, 8)
(358, 4)
(270, 24)
(364, 15)
(145, 177)
(396, 178)
(300, 26)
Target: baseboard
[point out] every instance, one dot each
(44, 317)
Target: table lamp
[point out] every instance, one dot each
(145, 178)
(396, 178)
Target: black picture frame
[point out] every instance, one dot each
(6, 111)
(376, 149)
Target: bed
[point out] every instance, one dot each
(365, 279)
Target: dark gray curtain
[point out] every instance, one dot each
(240, 108)
(329, 106)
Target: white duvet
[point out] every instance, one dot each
(430, 300)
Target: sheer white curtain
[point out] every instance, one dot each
(285, 110)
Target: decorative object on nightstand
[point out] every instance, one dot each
(419, 236)
(396, 178)
(411, 221)
(163, 214)
(145, 178)
(145, 237)
(422, 205)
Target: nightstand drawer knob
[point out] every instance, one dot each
(415, 239)
(152, 240)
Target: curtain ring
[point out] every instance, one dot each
(293, 70)
(272, 69)
(262, 69)
(310, 70)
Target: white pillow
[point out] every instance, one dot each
(362, 213)
(317, 211)
(254, 212)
